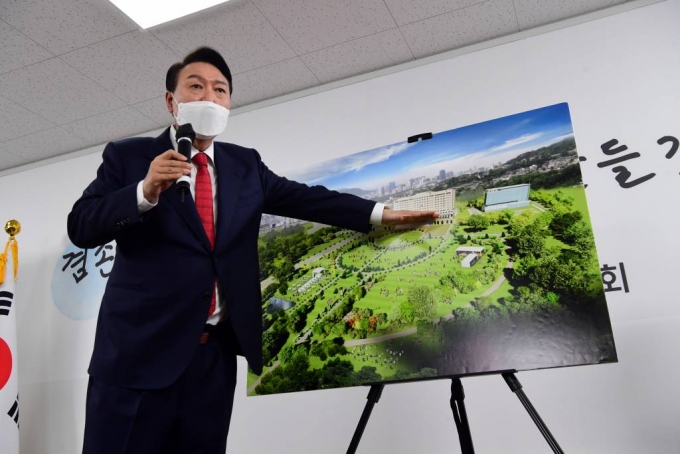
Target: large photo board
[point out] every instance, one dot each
(507, 278)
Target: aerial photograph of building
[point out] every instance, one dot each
(510, 262)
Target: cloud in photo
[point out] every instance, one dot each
(518, 141)
(346, 164)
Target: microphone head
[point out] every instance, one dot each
(185, 130)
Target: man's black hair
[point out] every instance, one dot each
(204, 55)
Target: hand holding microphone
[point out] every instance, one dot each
(169, 167)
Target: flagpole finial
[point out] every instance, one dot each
(12, 227)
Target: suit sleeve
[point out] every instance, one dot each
(289, 198)
(107, 205)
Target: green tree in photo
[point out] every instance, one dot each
(530, 241)
(284, 270)
(273, 339)
(459, 280)
(483, 304)
(519, 223)
(367, 374)
(336, 373)
(291, 377)
(334, 349)
(407, 311)
(319, 351)
(561, 222)
(286, 353)
(422, 299)
(585, 244)
(543, 220)
(478, 222)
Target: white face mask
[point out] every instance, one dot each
(207, 118)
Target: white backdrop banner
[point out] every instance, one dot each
(619, 75)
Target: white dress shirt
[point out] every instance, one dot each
(144, 205)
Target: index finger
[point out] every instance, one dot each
(172, 154)
(422, 215)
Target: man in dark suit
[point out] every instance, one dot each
(183, 297)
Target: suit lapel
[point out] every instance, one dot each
(186, 209)
(229, 176)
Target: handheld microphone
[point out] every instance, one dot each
(185, 137)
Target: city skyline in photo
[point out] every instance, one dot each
(481, 145)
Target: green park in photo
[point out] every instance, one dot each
(506, 279)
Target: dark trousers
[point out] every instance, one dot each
(191, 416)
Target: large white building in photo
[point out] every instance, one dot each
(444, 202)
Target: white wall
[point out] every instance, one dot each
(620, 77)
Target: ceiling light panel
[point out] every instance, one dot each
(149, 13)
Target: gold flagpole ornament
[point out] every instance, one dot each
(12, 228)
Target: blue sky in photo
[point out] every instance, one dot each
(478, 145)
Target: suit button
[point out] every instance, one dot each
(207, 296)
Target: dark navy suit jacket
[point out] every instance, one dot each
(158, 294)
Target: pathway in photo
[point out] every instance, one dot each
(537, 206)
(267, 282)
(499, 281)
(252, 387)
(321, 254)
(495, 286)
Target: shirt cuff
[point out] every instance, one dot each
(143, 205)
(377, 213)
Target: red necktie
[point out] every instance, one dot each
(204, 205)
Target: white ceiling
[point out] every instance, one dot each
(78, 73)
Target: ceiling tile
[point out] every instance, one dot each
(57, 92)
(461, 28)
(407, 11)
(358, 56)
(155, 110)
(272, 81)
(16, 50)
(9, 160)
(532, 13)
(44, 144)
(236, 29)
(16, 121)
(131, 66)
(109, 126)
(309, 25)
(65, 25)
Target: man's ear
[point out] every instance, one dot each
(168, 101)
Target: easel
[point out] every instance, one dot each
(457, 397)
(459, 414)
